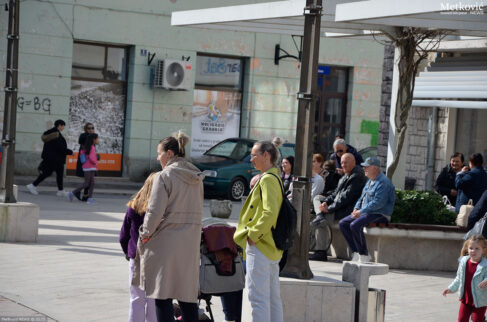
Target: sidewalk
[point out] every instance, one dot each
(76, 270)
(103, 185)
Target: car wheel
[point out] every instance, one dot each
(237, 189)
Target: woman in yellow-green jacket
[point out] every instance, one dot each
(253, 234)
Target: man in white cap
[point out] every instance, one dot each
(374, 205)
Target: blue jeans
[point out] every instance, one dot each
(353, 230)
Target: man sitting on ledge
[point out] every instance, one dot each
(374, 205)
(338, 205)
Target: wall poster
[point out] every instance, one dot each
(216, 116)
(102, 104)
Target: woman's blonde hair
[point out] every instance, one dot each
(175, 143)
(477, 239)
(140, 201)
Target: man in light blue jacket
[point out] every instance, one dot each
(374, 205)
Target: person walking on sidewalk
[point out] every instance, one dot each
(53, 157)
(141, 308)
(89, 128)
(471, 280)
(257, 217)
(90, 165)
(170, 236)
(374, 205)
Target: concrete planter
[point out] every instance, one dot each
(220, 208)
(19, 222)
(417, 249)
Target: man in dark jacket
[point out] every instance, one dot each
(471, 182)
(53, 157)
(341, 147)
(445, 183)
(478, 211)
(339, 204)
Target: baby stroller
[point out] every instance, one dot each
(221, 269)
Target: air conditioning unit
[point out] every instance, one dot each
(173, 75)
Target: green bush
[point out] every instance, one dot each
(421, 207)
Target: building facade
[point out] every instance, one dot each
(449, 118)
(95, 62)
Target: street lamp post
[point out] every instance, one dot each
(10, 108)
(297, 265)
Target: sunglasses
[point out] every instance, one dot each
(90, 128)
(340, 151)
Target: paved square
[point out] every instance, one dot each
(77, 272)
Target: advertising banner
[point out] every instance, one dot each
(102, 104)
(216, 116)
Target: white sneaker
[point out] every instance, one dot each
(364, 259)
(61, 193)
(70, 196)
(32, 189)
(91, 201)
(355, 257)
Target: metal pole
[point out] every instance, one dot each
(10, 110)
(297, 265)
(430, 159)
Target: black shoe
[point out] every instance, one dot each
(84, 198)
(77, 195)
(319, 255)
(319, 218)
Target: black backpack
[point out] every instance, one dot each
(285, 230)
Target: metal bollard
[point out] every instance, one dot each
(376, 307)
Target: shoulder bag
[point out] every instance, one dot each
(465, 210)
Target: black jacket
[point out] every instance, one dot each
(55, 148)
(82, 139)
(445, 182)
(286, 182)
(79, 166)
(331, 182)
(348, 191)
(478, 211)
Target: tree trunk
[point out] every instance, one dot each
(407, 67)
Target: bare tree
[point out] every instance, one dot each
(414, 46)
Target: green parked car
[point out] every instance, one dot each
(228, 169)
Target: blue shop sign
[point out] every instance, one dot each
(324, 70)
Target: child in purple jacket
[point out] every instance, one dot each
(141, 308)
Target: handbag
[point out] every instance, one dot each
(463, 214)
(480, 228)
(213, 284)
(448, 204)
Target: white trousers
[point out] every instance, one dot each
(263, 286)
(141, 308)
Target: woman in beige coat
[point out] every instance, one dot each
(170, 235)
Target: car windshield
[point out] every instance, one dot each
(230, 149)
(286, 151)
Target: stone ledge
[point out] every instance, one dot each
(409, 246)
(318, 299)
(19, 222)
(413, 233)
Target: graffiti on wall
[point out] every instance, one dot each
(35, 104)
(372, 128)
